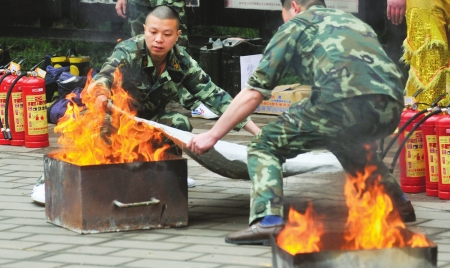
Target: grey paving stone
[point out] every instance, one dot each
(24, 214)
(152, 235)
(141, 244)
(88, 259)
(192, 232)
(147, 263)
(15, 244)
(11, 236)
(17, 199)
(214, 203)
(25, 166)
(157, 254)
(443, 256)
(196, 240)
(49, 229)
(48, 247)
(436, 223)
(27, 173)
(443, 248)
(12, 184)
(442, 264)
(92, 250)
(4, 205)
(34, 264)
(20, 192)
(84, 266)
(17, 254)
(228, 250)
(64, 239)
(438, 205)
(26, 221)
(222, 210)
(238, 260)
(210, 195)
(433, 215)
(7, 226)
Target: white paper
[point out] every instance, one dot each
(254, 4)
(248, 65)
(345, 5)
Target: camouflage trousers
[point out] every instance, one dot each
(137, 14)
(342, 127)
(175, 120)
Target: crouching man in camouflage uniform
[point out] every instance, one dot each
(156, 70)
(136, 11)
(356, 99)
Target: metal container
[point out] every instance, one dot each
(398, 257)
(116, 197)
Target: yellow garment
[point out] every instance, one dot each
(426, 50)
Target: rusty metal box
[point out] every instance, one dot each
(116, 197)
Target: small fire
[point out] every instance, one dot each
(304, 228)
(372, 222)
(80, 141)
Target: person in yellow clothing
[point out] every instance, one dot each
(426, 50)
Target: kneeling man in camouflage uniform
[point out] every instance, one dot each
(356, 99)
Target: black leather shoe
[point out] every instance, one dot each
(406, 211)
(256, 234)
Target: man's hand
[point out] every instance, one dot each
(396, 11)
(121, 8)
(102, 107)
(201, 143)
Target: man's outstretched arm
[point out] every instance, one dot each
(244, 104)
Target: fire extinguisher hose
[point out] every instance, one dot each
(400, 130)
(405, 140)
(434, 105)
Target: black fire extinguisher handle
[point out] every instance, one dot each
(397, 154)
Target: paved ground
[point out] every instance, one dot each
(217, 206)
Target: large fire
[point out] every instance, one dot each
(80, 140)
(372, 222)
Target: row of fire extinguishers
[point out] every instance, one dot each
(23, 109)
(424, 149)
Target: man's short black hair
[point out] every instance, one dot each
(305, 3)
(165, 13)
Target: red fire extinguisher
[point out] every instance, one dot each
(35, 112)
(14, 122)
(412, 159)
(443, 137)
(430, 147)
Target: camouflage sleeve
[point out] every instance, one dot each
(102, 81)
(275, 60)
(199, 85)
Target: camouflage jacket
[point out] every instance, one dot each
(182, 80)
(331, 50)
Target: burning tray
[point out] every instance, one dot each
(332, 257)
(116, 197)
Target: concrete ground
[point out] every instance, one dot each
(217, 206)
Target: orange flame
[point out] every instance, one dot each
(302, 233)
(80, 141)
(372, 222)
(369, 224)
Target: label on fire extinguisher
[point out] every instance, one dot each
(415, 162)
(37, 114)
(17, 104)
(444, 146)
(432, 158)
